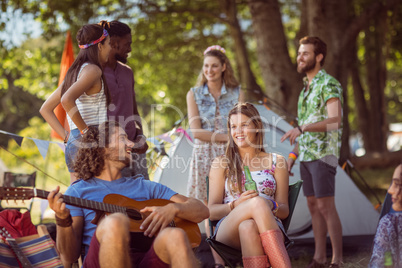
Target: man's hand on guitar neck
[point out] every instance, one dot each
(57, 204)
(158, 219)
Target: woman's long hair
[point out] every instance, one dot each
(90, 159)
(400, 180)
(227, 76)
(87, 34)
(234, 161)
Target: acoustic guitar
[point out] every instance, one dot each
(112, 203)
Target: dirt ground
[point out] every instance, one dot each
(356, 250)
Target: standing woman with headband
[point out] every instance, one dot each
(83, 93)
(208, 105)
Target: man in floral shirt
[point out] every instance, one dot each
(319, 138)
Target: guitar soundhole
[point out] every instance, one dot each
(134, 214)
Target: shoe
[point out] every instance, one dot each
(334, 265)
(315, 264)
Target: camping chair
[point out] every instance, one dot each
(18, 180)
(233, 256)
(36, 250)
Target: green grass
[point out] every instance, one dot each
(358, 260)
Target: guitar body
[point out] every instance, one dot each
(133, 208)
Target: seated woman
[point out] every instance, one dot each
(388, 238)
(250, 220)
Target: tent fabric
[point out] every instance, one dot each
(357, 214)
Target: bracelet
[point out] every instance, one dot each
(66, 138)
(299, 128)
(67, 222)
(85, 130)
(293, 155)
(275, 207)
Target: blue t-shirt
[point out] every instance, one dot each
(95, 189)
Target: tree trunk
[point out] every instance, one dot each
(377, 160)
(363, 121)
(282, 82)
(332, 21)
(376, 77)
(247, 78)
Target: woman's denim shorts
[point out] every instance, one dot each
(73, 144)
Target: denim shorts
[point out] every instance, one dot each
(73, 144)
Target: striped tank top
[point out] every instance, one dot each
(91, 107)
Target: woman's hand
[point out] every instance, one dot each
(245, 196)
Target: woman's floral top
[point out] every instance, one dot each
(388, 238)
(265, 181)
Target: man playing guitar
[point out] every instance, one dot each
(106, 151)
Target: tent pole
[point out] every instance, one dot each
(365, 183)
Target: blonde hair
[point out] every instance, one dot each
(227, 75)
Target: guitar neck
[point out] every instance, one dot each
(18, 252)
(83, 203)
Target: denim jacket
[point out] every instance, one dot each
(207, 105)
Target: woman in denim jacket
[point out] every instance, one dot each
(208, 105)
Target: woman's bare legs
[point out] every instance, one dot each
(244, 225)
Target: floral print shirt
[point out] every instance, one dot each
(312, 108)
(388, 238)
(266, 183)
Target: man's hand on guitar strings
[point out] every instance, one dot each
(160, 218)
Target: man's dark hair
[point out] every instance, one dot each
(90, 158)
(116, 28)
(319, 46)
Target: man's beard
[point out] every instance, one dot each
(310, 65)
(120, 58)
(119, 158)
